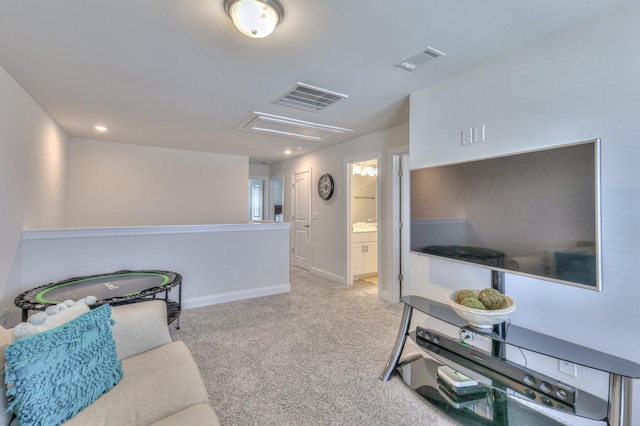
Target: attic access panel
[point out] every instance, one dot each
(284, 126)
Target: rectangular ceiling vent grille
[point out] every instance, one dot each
(420, 58)
(309, 98)
(289, 127)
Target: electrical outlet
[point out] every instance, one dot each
(467, 136)
(233, 275)
(567, 367)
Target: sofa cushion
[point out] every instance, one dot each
(140, 327)
(201, 415)
(156, 384)
(54, 374)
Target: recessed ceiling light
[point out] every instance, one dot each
(288, 152)
(101, 128)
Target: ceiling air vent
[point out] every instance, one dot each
(283, 126)
(420, 58)
(309, 98)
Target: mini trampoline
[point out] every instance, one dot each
(116, 288)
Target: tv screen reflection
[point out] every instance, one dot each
(534, 213)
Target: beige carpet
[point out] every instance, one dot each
(311, 357)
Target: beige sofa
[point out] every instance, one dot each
(161, 384)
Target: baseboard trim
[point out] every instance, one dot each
(328, 275)
(216, 299)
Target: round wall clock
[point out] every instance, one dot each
(325, 186)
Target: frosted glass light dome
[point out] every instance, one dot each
(255, 18)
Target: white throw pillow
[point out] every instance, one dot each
(53, 316)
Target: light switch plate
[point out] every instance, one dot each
(478, 134)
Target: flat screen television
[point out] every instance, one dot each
(535, 213)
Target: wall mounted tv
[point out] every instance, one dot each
(535, 213)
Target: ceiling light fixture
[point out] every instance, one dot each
(101, 128)
(254, 18)
(368, 170)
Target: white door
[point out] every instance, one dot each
(301, 219)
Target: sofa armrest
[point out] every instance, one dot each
(140, 327)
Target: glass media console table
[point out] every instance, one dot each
(505, 390)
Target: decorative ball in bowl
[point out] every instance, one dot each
(482, 319)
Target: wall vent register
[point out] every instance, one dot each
(413, 62)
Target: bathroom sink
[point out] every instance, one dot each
(365, 227)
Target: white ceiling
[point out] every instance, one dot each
(177, 74)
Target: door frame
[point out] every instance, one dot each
(348, 162)
(401, 220)
(293, 200)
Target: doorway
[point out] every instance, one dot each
(363, 214)
(256, 199)
(276, 198)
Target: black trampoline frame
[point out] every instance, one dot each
(28, 300)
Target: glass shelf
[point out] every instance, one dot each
(533, 341)
(493, 406)
(586, 404)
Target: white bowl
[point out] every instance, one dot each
(481, 319)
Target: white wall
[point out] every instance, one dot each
(329, 235)
(33, 152)
(112, 184)
(578, 85)
(204, 255)
(258, 169)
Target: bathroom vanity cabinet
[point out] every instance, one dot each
(364, 252)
